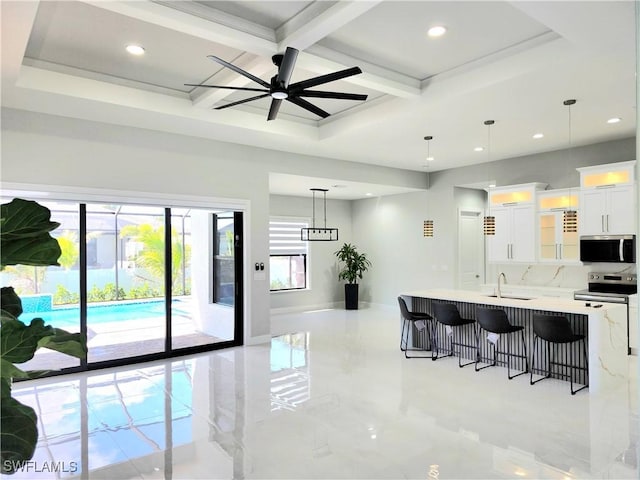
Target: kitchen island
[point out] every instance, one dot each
(605, 327)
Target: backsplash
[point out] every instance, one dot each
(562, 276)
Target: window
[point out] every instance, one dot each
(287, 254)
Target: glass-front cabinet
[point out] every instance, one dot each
(558, 218)
(608, 199)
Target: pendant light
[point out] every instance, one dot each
(570, 216)
(427, 226)
(319, 234)
(489, 221)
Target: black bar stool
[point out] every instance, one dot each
(556, 329)
(494, 320)
(409, 319)
(449, 315)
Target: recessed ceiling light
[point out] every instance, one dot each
(436, 31)
(368, 194)
(430, 159)
(135, 49)
(538, 135)
(478, 149)
(614, 120)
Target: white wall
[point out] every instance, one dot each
(325, 290)
(54, 153)
(390, 228)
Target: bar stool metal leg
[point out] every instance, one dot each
(586, 364)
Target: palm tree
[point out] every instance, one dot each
(68, 242)
(152, 256)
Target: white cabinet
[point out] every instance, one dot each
(514, 210)
(608, 200)
(558, 219)
(608, 210)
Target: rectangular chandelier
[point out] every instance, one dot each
(319, 234)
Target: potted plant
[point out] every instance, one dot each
(353, 265)
(25, 240)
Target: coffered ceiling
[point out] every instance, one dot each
(513, 62)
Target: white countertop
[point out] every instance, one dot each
(530, 290)
(550, 304)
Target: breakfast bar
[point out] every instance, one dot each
(604, 324)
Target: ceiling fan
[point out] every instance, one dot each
(279, 89)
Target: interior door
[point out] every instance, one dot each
(470, 250)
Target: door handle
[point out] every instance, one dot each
(602, 223)
(621, 251)
(607, 222)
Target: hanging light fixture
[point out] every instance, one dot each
(427, 226)
(319, 234)
(489, 221)
(570, 216)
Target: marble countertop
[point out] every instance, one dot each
(550, 304)
(530, 290)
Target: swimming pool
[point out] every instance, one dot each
(69, 317)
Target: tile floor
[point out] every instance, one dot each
(331, 397)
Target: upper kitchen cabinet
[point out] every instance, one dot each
(558, 218)
(607, 199)
(514, 212)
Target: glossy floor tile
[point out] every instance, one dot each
(331, 397)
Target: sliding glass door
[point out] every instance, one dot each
(125, 281)
(139, 280)
(51, 293)
(205, 290)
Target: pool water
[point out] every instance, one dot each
(65, 317)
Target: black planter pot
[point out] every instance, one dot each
(351, 296)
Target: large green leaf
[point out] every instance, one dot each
(9, 371)
(24, 234)
(19, 433)
(25, 218)
(18, 342)
(73, 344)
(10, 302)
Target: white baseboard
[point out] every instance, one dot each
(257, 340)
(306, 308)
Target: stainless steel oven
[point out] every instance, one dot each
(610, 288)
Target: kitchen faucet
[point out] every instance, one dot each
(501, 275)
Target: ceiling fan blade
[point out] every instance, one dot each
(233, 104)
(273, 110)
(286, 67)
(246, 89)
(330, 77)
(239, 70)
(308, 106)
(321, 94)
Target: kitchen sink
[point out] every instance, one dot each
(515, 297)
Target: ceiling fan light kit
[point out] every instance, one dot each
(280, 89)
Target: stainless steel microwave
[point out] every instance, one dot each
(608, 248)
